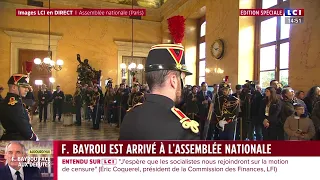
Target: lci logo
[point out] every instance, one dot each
(109, 161)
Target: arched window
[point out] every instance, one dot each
(272, 38)
(202, 51)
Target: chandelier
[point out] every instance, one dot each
(47, 63)
(133, 68)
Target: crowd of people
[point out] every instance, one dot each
(250, 113)
(273, 113)
(111, 106)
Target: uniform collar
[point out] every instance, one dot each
(13, 95)
(156, 98)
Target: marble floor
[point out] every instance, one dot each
(57, 131)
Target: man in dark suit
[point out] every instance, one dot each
(44, 97)
(12, 170)
(58, 99)
(204, 98)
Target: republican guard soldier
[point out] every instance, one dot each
(136, 96)
(158, 118)
(14, 116)
(226, 110)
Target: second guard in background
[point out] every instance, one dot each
(136, 96)
(14, 116)
(226, 110)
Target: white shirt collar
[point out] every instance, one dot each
(13, 173)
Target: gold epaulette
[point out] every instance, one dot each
(138, 104)
(186, 122)
(12, 101)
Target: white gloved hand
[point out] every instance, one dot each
(222, 123)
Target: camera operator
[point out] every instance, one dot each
(240, 128)
(253, 98)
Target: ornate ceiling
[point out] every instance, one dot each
(141, 3)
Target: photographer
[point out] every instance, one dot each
(255, 126)
(251, 97)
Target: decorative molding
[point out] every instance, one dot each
(34, 41)
(17, 34)
(127, 46)
(125, 49)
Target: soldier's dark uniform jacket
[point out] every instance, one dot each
(135, 98)
(226, 110)
(14, 116)
(158, 119)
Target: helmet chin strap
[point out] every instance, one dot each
(20, 98)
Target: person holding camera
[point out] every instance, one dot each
(255, 126)
(299, 126)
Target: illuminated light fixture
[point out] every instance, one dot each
(38, 82)
(47, 63)
(52, 80)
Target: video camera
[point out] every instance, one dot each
(250, 84)
(109, 83)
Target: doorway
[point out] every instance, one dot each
(36, 73)
(140, 76)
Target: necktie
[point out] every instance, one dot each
(18, 175)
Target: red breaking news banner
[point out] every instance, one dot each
(186, 148)
(80, 12)
(261, 12)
